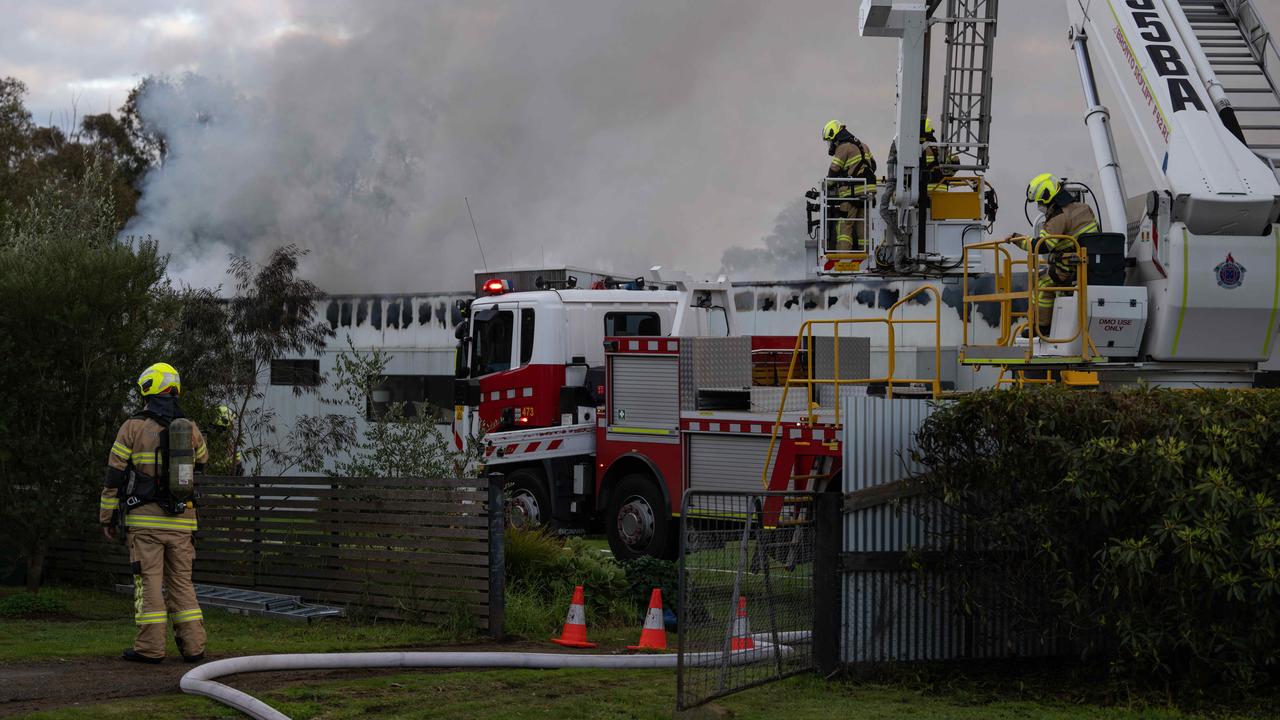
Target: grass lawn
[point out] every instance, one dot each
(590, 694)
(96, 624)
(100, 624)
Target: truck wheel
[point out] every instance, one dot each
(639, 522)
(528, 502)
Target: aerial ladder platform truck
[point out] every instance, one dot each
(603, 406)
(1182, 286)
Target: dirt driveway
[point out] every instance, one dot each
(28, 687)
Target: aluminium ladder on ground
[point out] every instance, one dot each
(256, 602)
(967, 83)
(1243, 55)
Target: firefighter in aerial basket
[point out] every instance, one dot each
(1065, 214)
(850, 159)
(150, 492)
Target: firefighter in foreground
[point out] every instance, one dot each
(150, 481)
(850, 159)
(1064, 214)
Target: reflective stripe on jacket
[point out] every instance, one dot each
(851, 160)
(138, 442)
(1075, 220)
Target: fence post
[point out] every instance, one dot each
(256, 544)
(497, 557)
(827, 581)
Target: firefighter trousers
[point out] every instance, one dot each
(848, 226)
(162, 558)
(1051, 277)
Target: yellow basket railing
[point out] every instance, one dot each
(805, 343)
(1016, 323)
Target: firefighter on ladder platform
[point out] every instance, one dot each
(934, 172)
(158, 521)
(1065, 214)
(850, 159)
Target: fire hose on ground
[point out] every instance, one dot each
(203, 679)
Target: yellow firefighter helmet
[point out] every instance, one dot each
(159, 379)
(1043, 188)
(831, 129)
(225, 417)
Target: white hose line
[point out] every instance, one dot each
(785, 637)
(202, 680)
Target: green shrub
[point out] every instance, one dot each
(1142, 526)
(602, 579)
(25, 605)
(531, 615)
(543, 566)
(646, 573)
(531, 555)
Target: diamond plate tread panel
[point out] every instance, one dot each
(706, 362)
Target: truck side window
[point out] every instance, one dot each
(526, 335)
(493, 341)
(623, 324)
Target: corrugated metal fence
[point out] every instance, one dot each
(892, 610)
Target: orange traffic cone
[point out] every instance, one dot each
(741, 630)
(653, 636)
(575, 625)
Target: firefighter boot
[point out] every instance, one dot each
(186, 658)
(132, 656)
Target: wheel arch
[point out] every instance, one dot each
(625, 465)
(545, 469)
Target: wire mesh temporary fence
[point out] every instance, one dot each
(746, 591)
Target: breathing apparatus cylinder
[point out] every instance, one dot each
(181, 461)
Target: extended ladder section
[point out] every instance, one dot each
(808, 451)
(966, 89)
(1244, 57)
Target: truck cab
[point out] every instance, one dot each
(531, 378)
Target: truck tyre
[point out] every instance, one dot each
(639, 522)
(528, 500)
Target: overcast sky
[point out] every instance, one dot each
(590, 132)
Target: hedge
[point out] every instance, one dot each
(1141, 526)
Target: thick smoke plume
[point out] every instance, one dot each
(607, 133)
(783, 254)
(582, 132)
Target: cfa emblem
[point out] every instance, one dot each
(1230, 273)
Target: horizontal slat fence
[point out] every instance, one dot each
(409, 549)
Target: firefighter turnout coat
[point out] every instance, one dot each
(161, 549)
(1072, 220)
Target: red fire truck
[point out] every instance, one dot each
(603, 405)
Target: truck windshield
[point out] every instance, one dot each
(493, 333)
